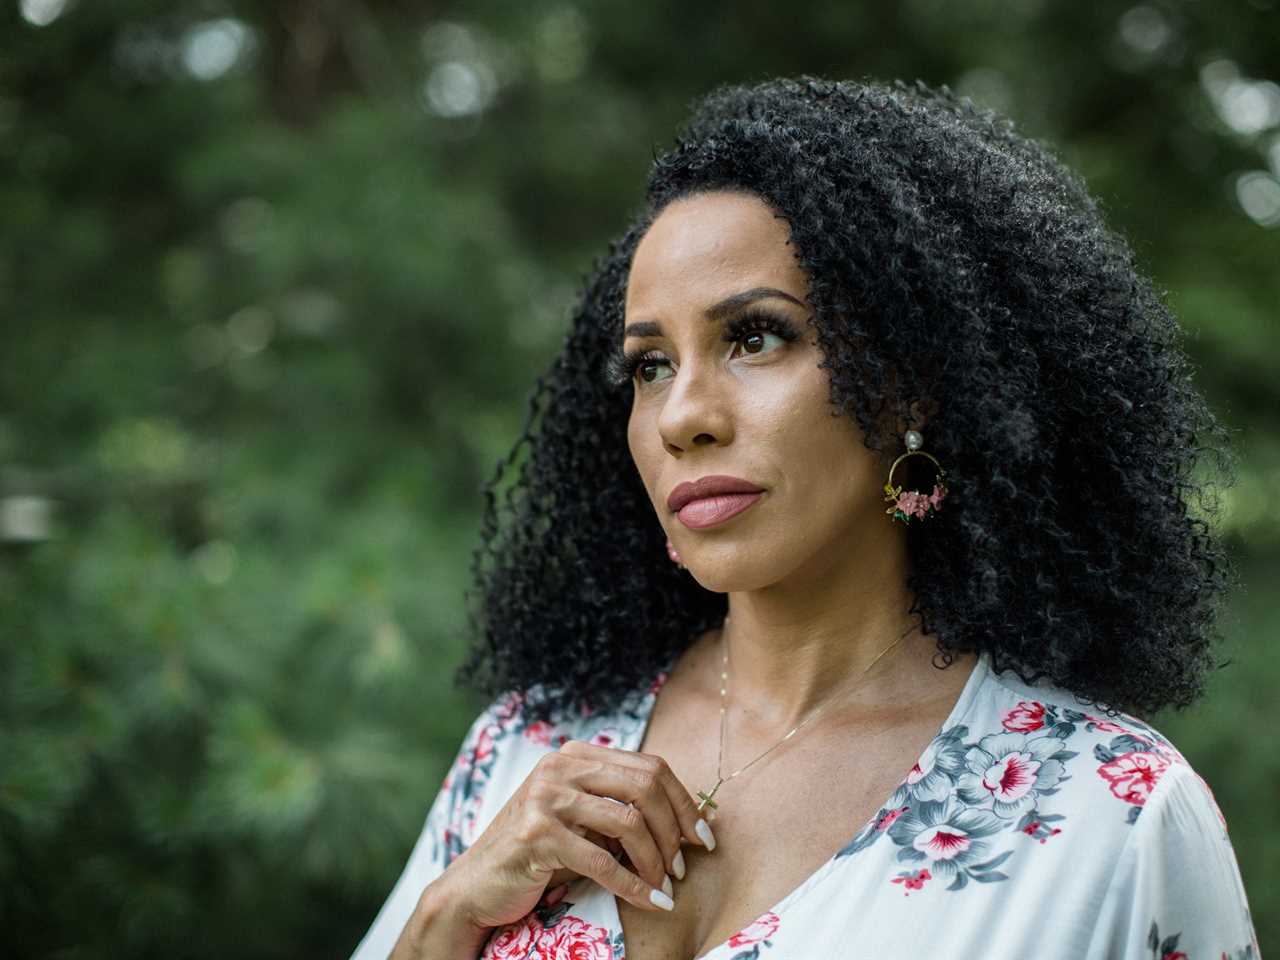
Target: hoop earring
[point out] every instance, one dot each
(675, 557)
(912, 503)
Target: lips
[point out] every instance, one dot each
(712, 486)
(710, 511)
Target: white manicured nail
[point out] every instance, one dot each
(660, 899)
(678, 864)
(704, 834)
(666, 886)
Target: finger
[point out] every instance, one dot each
(636, 784)
(609, 843)
(564, 874)
(595, 862)
(630, 827)
(683, 805)
(582, 811)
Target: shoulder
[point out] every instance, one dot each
(1032, 785)
(1119, 765)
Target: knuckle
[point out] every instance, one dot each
(529, 829)
(570, 747)
(549, 763)
(658, 764)
(629, 818)
(542, 792)
(645, 779)
(599, 862)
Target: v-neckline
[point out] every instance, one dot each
(977, 674)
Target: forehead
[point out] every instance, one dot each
(703, 248)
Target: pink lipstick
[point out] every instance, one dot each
(709, 511)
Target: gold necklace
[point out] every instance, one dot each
(705, 797)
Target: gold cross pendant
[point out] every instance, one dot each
(706, 798)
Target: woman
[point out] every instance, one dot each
(918, 439)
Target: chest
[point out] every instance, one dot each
(777, 824)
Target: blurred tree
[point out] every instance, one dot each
(275, 280)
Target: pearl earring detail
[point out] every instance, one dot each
(675, 557)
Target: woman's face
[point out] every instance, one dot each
(711, 399)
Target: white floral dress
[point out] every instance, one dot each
(1028, 827)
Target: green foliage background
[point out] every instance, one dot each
(275, 280)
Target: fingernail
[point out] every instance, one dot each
(678, 864)
(666, 886)
(556, 895)
(704, 834)
(660, 899)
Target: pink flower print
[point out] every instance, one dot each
(930, 777)
(658, 681)
(912, 879)
(1011, 776)
(1132, 776)
(1037, 830)
(605, 738)
(539, 732)
(463, 825)
(885, 822)
(936, 498)
(573, 938)
(1028, 715)
(1106, 726)
(513, 941)
(942, 842)
(508, 709)
(1009, 771)
(484, 745)
(474, 755)
(948, 837)
(761, 928)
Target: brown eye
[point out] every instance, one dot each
(756, 342)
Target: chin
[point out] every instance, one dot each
(734, 570)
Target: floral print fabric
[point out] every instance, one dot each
(1029, 826)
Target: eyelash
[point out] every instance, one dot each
(621, 368)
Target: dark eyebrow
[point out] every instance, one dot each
(717, 312)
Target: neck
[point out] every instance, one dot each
(779, 688)
(792, 648)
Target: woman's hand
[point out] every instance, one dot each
(563, 821)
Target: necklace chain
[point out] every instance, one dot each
(706, 798)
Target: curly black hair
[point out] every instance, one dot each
(949, 258)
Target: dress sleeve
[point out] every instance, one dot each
(1177, 892)
(449, 829)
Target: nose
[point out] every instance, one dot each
(696, 408)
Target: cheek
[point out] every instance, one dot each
(641, 449)
(822, 451)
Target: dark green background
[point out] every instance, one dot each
(275, 281)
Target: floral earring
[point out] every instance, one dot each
(913, 503)
(675, 557)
